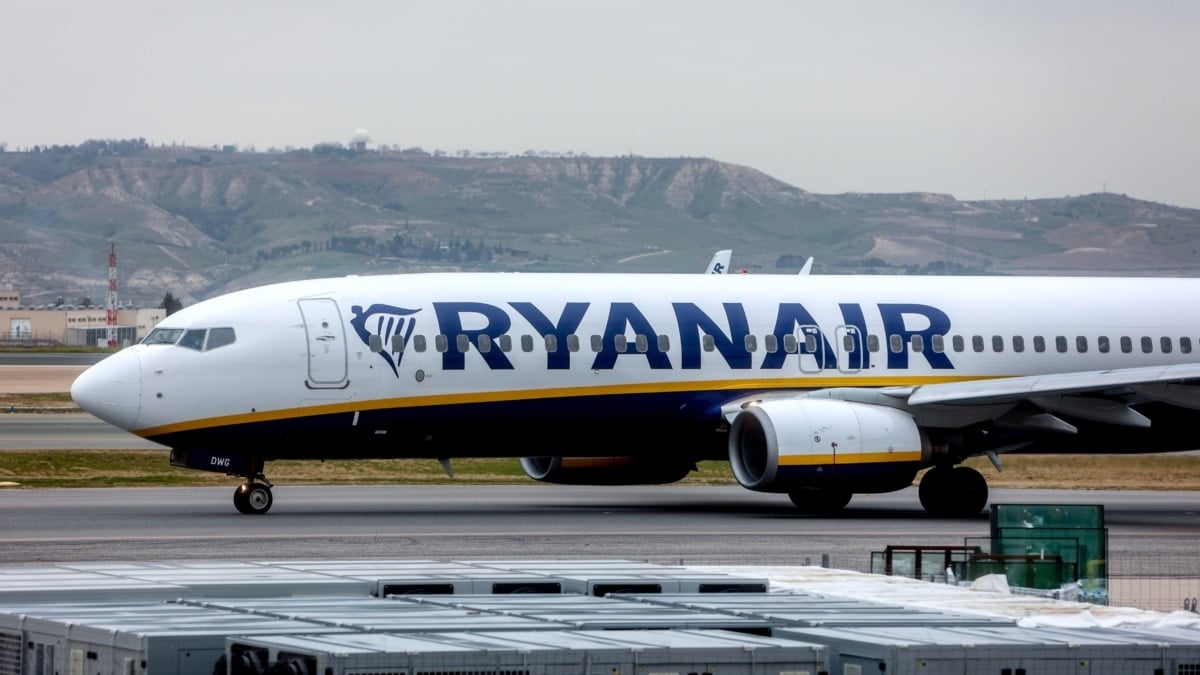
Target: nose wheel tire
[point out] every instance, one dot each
(253, 498)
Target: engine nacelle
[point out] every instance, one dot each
(606, 470)
(789, 444)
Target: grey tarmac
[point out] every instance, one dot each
(694, 525)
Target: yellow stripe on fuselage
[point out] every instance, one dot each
(438, 400)
(851, 458)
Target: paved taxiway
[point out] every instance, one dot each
(693, 525)
(65, 431)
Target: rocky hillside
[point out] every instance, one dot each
(197, 222)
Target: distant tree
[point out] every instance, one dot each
(170, 303)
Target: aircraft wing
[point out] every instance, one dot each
(1171, 384)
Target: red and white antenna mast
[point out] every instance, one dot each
(110, 298)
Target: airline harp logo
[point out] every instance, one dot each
(386, 322)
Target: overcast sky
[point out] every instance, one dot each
(979, 99)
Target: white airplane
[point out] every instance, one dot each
(819, 387)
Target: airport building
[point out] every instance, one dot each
(52, 325)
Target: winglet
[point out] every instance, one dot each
(807, 269)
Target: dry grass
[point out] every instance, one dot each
(112, 468)
(1180, 471)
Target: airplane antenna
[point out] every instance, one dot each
(110, 298)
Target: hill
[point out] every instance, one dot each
(197, 223)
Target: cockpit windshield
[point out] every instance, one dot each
(199, 339)
(163, 336)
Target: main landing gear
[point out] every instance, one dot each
(953, 491)
(254, 496)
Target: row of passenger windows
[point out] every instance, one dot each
(790, 344)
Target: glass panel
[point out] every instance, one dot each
(163, 336)
(770, 343)
(193, 339)
(219, 337)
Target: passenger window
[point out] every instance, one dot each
(485, 344)
(751, 343)
(1166, 345)
(1147, 345)
(398, 344)
(958, 342)
(572, 343)
(848, 344)
(1081, 344)
(441, 343)
(597, 344)
(918, 344)
(810, 344)
(873, 343)
(375, 343)
(526, 343)
(977, 343)
(664, 343)
(641, 343)
(551, 343)
(463, 343)
(219, 337)
(620, 343)
(1018, 343)
(789, 344)
(419, 343)
(707, 343)
(997, 343)
(896, 343)
(770, 343)
(1126, 344)
(939, 344)
(1060, 343)
(1185, 345)
(193, 339)
(163, 336)
(505, 342)
(1039, 344)
(1102, 344)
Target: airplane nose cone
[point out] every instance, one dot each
(112, 389)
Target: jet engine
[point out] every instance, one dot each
(607, 470)
(791, 445)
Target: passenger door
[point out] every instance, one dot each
(326, 336)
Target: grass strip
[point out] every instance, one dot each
(132, 468)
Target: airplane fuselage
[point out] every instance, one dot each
(439, 365)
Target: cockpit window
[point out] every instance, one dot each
(163, 336)
(193, 339)
(219, 337)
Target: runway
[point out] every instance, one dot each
(65, 431)
(688, 525)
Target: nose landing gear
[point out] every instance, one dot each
(254, 496)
